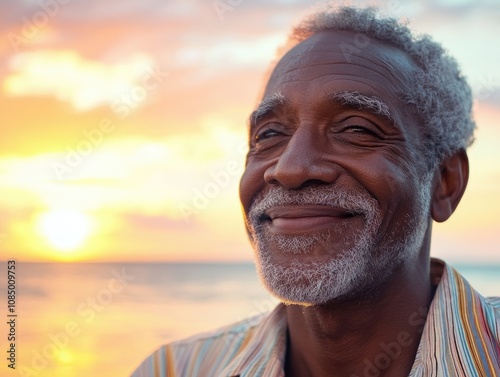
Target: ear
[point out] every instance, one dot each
(449, 185)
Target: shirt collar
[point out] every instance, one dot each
(456, 339)
(264, 355)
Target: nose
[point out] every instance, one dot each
(304, 162)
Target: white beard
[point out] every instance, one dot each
(367, 259)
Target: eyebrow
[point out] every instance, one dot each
(361, 101)
(267, 106)
(345, 98)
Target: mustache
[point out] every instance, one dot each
(353, 202)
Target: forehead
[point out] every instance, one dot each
(332, 61)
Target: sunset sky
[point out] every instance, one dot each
(123, 124)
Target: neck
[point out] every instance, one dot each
(373, 336)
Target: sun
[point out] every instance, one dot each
(66, 230)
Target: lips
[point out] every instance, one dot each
(306, 218)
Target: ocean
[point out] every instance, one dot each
(90, 319)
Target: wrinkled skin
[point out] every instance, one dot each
(309, 140)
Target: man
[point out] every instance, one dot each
(357, 145)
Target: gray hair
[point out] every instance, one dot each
(439, 95)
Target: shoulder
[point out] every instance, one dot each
(203, 354)
(482, 313)
(493, 302)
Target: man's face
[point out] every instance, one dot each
(333, 196)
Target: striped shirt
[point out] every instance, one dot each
(460, 338)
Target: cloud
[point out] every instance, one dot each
(155, 224)
(85, 84)
(174, 149)
(235, 53)
(460, 6)
(136, 174)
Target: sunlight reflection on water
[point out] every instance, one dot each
(103, 319)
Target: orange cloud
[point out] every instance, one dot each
(69, 77)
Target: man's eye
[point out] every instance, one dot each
(358, 129)
(265, 135)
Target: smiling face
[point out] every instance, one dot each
(334, 195)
